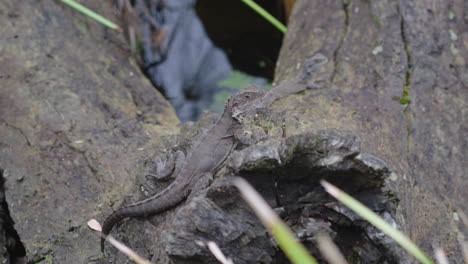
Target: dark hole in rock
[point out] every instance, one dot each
(9, 238)
(307, 209)
(292, 188)
(251, 43)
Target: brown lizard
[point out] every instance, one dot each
(211, 150)
(202, 161)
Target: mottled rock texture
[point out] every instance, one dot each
(79, 123)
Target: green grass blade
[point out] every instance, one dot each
(378, 222)
(91, 14)
(275, 22)
(293, 249)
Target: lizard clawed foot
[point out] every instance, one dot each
(313, 64)
(310, 67)
(312, 85)
(202, 183)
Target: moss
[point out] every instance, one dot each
(44, 259)
(392, 197)
(376, 20)
(405, 98)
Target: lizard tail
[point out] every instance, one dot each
(114, 218)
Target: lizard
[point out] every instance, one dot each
(212, 149)
(202, 161)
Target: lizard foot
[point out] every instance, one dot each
(203, 182)
(162, 170)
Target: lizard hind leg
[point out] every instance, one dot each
(204, 180)
(163, 170)
(312, 85)
(166, 168)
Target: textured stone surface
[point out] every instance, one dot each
(78, 122)
(76, 115)
(378, 49)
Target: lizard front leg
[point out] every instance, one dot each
(310, 68)
(250, 135)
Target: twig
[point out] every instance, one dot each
(94, 225)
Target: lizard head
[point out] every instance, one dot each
(245, 97)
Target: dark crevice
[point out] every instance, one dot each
(88, 163)
(132, 96)
(409, 59)
(405, 98)
(14, 247)
(343, 36)
(19, 130)
(306, 206)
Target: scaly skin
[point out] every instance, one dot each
(212, 149)
(206, 156)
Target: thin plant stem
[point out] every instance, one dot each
(377, 221)
(88, 12)
(294, 250)
(275, 22)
